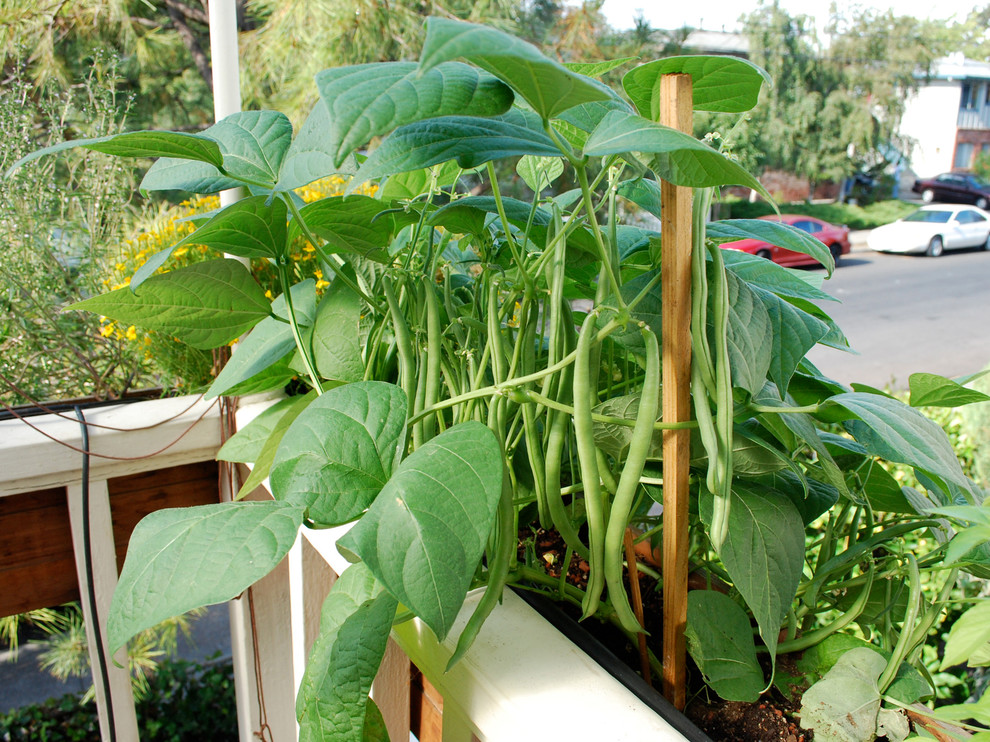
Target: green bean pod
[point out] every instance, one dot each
(588, 461)
(625, 493)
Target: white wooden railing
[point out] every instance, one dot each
(521, 680)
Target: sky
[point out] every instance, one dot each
(713, 15)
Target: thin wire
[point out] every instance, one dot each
(41, 406)
(90, 584)
(123, 430)
(265, 731)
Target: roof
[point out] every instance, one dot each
(718, 42)
(957, 67)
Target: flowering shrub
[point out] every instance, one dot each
(178, 365)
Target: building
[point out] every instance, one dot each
(948, 117)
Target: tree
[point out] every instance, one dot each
(835, 108)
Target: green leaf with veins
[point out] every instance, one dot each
(766, 274)
(249, 228)
(205, 304)
(547, 86)
(424, 535)
(179, 559)
(763, 552)
(263, 463)
(340, 451)
(932, 390)
(719, 84)
(269, 341)
(355, 623)
(678, 157)
(468, 141)
(845, 705)
(776, 233)
(173, 144)
(750, 336)
(720, 641)
(352, 224)
(369, 100)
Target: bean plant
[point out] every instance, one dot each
(481, 363)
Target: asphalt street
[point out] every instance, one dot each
(908, 313)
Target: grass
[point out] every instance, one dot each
(856, 217)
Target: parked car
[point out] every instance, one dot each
(835, 237)
(934, 229)
(962, 188)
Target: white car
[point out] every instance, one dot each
(933, 229)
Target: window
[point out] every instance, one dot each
(964, 155)
(967, 100)
(808, 226)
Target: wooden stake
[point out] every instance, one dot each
(676, 102)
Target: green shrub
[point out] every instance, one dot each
(186, 702)
(856, 217)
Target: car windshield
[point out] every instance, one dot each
(929, 216)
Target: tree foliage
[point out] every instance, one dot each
(836, 104)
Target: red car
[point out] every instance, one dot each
(836, 238)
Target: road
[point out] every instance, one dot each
(906, 313)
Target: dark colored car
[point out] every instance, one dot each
(963, 188)
(836, 238)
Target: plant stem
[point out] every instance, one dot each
(304, 352)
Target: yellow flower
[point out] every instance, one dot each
(107, 330)
(321, 284)
(131, 333)
(180, 252)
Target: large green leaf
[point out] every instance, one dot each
(547, 86)
(719, 84)
(171, 174)
(969, 635)
(354, 626)
(793, 333)
(250, 228)
(763, 552)
(909, 685)
(469, 141)
(263, 462)
(424, 535)
(245, 445)
(337, 350)
(269, 341)
(139, 144)
(795, 284)
(810, 497)
(205, 304)
(750, 336)
(369, 100)
(350, 224)
(720, 641)
(253, 143)
(845, 705)
(410, 185)
(776, 233)
(340, 451)
(310, 155)
(896, 432)
(678, 157)
(642, 192)
(179, 559)
(932, 390)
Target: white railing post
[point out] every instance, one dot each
(104, 579)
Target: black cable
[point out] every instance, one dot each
(91, 597)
